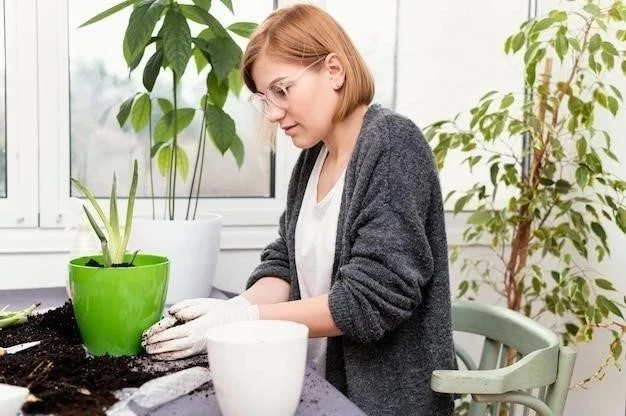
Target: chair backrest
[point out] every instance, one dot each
(521, 362)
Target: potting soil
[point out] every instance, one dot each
(62, 378)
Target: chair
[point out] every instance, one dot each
(538, 378)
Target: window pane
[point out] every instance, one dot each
(99, 83)
(3, 118)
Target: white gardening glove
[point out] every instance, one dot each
(167, 341)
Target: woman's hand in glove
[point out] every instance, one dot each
(165, 341)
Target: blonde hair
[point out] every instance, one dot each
(303, 33)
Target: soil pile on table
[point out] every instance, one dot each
(62, 377)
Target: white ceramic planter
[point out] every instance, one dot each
(11, 399)
(258, 366)
(191, 246)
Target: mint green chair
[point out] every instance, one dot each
(538, 379)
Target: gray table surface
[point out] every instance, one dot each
(318, 396)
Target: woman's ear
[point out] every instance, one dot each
(336, 71)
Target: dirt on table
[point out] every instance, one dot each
(58, 372)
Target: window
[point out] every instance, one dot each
(3, 118)
(99, 83)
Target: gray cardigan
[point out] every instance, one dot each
(390, 290)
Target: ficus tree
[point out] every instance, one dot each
(162, 30)
(554, 177)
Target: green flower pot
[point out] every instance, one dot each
(113, 306)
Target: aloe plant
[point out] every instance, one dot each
(113, 241)
(162, 28)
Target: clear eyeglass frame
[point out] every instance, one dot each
(277, 93)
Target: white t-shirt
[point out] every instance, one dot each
(316, 233)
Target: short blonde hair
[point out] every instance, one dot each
(303, 33)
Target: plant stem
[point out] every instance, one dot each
(173, 158)
(195, 166)
(202, 153)
(150, 164)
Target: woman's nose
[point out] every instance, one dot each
(274, 112)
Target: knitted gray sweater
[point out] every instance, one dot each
(390, 290)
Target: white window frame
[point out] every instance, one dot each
(19, 209)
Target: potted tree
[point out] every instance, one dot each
(164, 30)
(560, 193)
(116, 295)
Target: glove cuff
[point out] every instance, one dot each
(240, 300)
(253, 313)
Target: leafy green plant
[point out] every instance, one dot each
(560, 193)
(164, 28)
(112, 240)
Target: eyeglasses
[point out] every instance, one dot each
(277, 93)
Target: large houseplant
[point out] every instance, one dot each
(116, 295)
(162, 30)
(555, 177)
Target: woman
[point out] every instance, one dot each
(361, 256)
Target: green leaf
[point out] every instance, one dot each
(594, 43)
(176, 41)
(507, 101)
(220, 127)
(243, 29)
(561, 45)
(229, 5)
(479, 217)
(109, 12)
(113, 218)
(582, 176)
(604, 284)
(200, 59)
(165, 105)
(562, 186)
(218, 91)
(575, 44)
(235, 83)
(130, 207)
(575, 105)
(196, 14)
(155, 148)
(152, 69)
(237, 149)
(140, 115)
(182, 163)
(616, 350)
(598, 230)
(592, 9)
(463, 286)
(581, 147)
(543, 24)
(124, 112)
(141, 24)
(204, 4)
(493, 173)
(460, 203)
(225, 55)
(163, 161)
(609, 305)
(609, 48)
(613, 105)
(164, 129)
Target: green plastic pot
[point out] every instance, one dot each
(113, 306)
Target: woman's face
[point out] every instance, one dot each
(301, 100)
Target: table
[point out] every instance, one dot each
(318, 396)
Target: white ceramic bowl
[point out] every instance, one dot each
(258, 366)
(11, 399)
